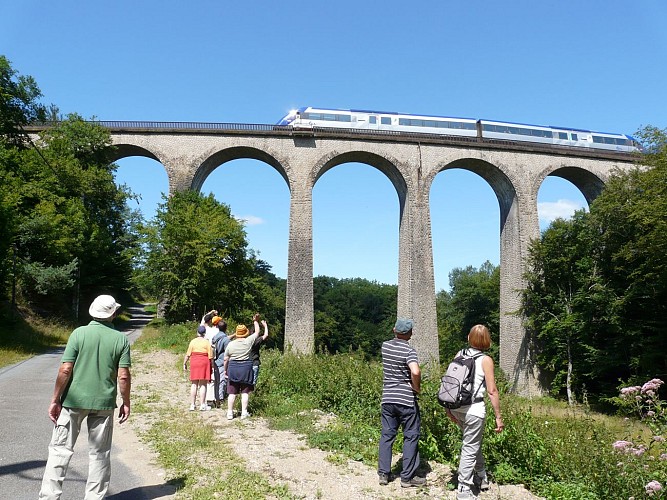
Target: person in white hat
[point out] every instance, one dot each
(96, 361)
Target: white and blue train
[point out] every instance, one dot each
(309, 117)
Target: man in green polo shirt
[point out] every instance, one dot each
(97, 357)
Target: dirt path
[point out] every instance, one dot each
(281, 456)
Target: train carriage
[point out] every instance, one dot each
(357, 119)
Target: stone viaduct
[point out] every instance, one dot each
(515, 171)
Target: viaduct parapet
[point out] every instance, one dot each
(514, 171)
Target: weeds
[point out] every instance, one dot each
(557, 451)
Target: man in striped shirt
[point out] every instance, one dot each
(400, 385)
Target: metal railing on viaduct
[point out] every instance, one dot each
(189, 152)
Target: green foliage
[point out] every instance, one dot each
(353, 314)
(19, 104)
(47, 280)
(474, 299)
(558, 453)
(596, 299)
(197, 257)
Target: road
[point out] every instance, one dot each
(25, 431)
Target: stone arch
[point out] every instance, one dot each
(388, 166)
(502, 185)
(587, 182)
(235, 153)
(124, 150)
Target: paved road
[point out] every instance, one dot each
(25, 431)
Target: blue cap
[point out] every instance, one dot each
(201, 330)
(403, 325)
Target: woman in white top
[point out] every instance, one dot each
(472, 471)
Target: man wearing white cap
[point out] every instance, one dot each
(96, 358)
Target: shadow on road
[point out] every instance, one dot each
(150, 492)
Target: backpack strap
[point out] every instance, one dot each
(475, 399)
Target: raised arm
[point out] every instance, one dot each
(266, 330)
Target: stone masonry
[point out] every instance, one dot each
(514, 173)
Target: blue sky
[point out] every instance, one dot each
(599, 65)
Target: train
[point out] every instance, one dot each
(309, 117)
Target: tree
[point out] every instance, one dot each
(19, 106)
(19, 103)
(596, 299)
(72, 222)
(565, 302)
(630, 219)
(197, 258)
(353, 314)
(474, 299)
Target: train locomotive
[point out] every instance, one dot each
(309, 117)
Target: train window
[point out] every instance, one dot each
(515, 130)
(372, 119)
(562, 135)
(430, 123)
(385, 120)
(469, 126)
(597, 139)
(575, 137)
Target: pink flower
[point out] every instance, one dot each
(652, 385)
(663, 456)
(638, 451)
(622, 445)
(650, 413)
(630, 390)
(652, 487)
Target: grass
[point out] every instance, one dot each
(196, 461)
(27, 335)
(199, 465)
(559, 452)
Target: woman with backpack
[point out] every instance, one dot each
(470, 418)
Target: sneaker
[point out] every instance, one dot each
(192, 407)
(230, 415)
(465, 493)
(244, 415)
(384, 478)
(415, 482)
(204, 408)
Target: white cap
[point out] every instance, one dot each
(103, 307)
